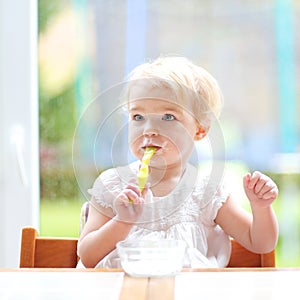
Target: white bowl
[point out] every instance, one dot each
(151, 258)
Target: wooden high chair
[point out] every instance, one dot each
(54, 252)
(47, 252)
(243, 258)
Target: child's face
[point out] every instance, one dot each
(156, 119)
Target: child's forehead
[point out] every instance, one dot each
(146, 90)
(162, 94)
(144, 104)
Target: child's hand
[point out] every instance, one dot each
(129, 203)
(260, 189)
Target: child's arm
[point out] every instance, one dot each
(101, 232)
(99, 237)
(259, 232)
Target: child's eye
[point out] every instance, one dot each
(168, 117)
(138, 117)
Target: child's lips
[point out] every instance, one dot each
(154, 146)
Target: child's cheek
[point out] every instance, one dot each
(134, 131)
(178, 136)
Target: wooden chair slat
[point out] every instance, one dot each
(54, 252)
(47, 252)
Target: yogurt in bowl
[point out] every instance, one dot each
(151, 258)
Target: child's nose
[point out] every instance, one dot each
(150, 132)
(150, 129)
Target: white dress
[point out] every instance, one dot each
(186, 214)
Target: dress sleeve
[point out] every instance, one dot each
(105, 189)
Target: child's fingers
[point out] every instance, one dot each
(254, 178)
(127, 197)
(134, 187)
(246, 180)
(260, 184)
(265, 188)
(141, 200)
(272, 194)
(132, 196)
(263, 185)
(250, 181)
(123, 199)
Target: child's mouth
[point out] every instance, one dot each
(157, 148)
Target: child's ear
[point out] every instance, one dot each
(200, 133)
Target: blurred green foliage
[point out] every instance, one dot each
(47, 10)
(60, 218)
(58, 183)
(57, 123)
(58, 117)
(57, 114)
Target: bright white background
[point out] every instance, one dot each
(19, 157)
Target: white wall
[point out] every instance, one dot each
(19, 155)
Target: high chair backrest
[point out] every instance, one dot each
(243, 258)
(53, 252)
(47, 252)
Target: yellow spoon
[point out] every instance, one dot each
(144, 170)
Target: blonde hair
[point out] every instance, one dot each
(190, 83)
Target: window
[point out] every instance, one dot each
(86, 48)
